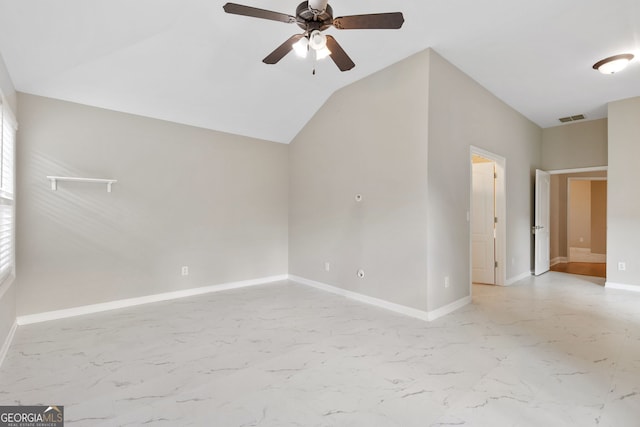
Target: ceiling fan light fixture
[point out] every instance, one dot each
(322, 53)
(613, 64)
(301, 47)
(317, 40)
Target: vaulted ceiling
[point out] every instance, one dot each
(187, 61)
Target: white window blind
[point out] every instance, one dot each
(7, 173)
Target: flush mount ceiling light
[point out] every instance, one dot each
(613, 64)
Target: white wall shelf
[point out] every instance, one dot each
(54, 181)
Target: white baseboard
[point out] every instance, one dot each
(397, 308)
(130, 302)
(449, 308)
(517, 278)
(559, 260)
(622, 286)
(7, 342)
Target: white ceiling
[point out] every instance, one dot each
(187, 61)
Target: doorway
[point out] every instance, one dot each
(487, 218)
(578, 221)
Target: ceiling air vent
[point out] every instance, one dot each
(571, 118)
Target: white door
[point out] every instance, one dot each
(483, 268)
(541, 226)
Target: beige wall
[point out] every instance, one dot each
(369, 138)
(7, 287)
(556, 213)
(462, 113)
(575, 145)
(579, 222)
(623, 206)
(185, 196)
(599, 217)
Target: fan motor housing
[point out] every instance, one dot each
(309, 21)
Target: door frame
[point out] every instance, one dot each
(501, 213)
(576, 170)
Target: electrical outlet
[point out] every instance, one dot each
(361, 274)
(446, 281)
(622, 266)
(327, 266)
(185, 270)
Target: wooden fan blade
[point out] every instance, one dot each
(338, 55)
(374, 21)
(238, 9)
(282, 50)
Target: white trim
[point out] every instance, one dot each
(397, 308)
(519, 277)
(131, 302)
(579, 170)
(449, 308)
(7, 342)
(559, 260)
(402, 309)
(622, 286)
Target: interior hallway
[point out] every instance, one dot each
(556, 350)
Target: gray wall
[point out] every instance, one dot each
(7, 287)
(7, 311)
(402, 138)
(575, 145)
(462, 113)
(369, 138)
(185, 196)
(623, 207)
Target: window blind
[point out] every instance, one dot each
(7, 173)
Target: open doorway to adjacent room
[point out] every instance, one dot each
(487, 218)
(578, 241)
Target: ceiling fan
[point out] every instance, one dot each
(315, 16)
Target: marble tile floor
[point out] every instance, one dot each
(556, 350)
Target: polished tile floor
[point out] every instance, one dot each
(557, 350)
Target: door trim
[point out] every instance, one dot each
(501, 213)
